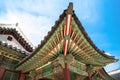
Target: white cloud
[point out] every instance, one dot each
(112, 66)
(35, 17)
(34, 6)
(88, 11)
(30, 25)
(108, 53)
(34, 27)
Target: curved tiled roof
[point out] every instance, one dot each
(61, 17)
(89, 40)
(51, 32)
(45, 38)
(17, 36)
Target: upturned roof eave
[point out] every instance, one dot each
(55, 27)
(89, 40)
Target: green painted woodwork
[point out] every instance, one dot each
(49, 61)
(78, 71)
(72, 76)
(8, 63)
(89, 68)
(11, 51)
(43, 54)
(47, 70)
(79, 47)
(32, 74)
(95, 56)
(96, 78)
(67, 37)
(75, 67)
(10, 76)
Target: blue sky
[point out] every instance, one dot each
(100, 19)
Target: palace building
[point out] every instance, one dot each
(115, 74)
(66, 53)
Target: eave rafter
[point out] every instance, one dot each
(53, 46)
(39, 61)
(80, 46)
(84, 49)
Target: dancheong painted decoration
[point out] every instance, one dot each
(66, 53)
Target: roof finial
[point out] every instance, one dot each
(70, 8)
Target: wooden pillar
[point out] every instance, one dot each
(66, 72)
(2, 72)
(89, 77)
(22, 76)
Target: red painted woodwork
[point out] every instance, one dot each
(2, 71)
(66, 47)
(64, 30)
(22, 76)
(88, 77)
(68, 22)
(66, 72)
(77, 77)
(67, 32)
